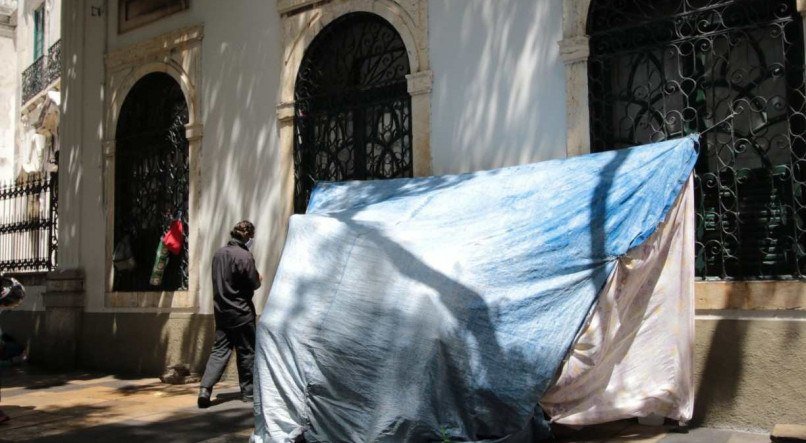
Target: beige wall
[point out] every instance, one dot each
(129, 343)
(9, 81)
(750, 370)
(237, 98)
(25, 28)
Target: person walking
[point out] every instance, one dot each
(234, 282)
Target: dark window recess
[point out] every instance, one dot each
(39, 32)
(352, 109)
(667, 68)
(135, 13)
(151, 180)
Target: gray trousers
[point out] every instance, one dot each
(242, 339)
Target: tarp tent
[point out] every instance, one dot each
(452, 306)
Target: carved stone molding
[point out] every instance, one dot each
(157, 48)
(193, 132)
(288, 7)
(420, 82)
(575, 49)
(409, 18)
(178, 54)
(302, 20)
(285, 112)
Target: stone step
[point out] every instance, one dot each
(788, 433)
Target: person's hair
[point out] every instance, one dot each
(243, 230)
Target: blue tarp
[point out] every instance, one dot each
(441, 307)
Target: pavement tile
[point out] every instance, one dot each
(28, 420)
(84, 407)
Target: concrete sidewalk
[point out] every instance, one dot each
(81, 407)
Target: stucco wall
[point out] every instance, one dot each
(239, 165)
(129, 343)
(498, 84)
(25, 28)
(750, 370)
(9, 81)
(499, 88)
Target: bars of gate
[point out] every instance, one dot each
(28, 222)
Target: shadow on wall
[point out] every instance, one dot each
(240, 174)
(144, 344)
(241, 170)
(240, 178)
(722, 371)
(499, 85)
(723, 368)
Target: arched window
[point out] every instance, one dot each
(151, 183)
(662, 69)
(352, 110)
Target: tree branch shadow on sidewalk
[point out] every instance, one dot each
(86, 423)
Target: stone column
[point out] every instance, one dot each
(70, 132)
(575, 51)
(285, 120)
(64, 306)
(193, 133)
(419, 87)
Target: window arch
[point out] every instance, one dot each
(352, 111)
(151, 182)
(667, 68)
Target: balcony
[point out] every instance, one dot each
(43, 72)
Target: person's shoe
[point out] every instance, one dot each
(204, 397)
(247, 397)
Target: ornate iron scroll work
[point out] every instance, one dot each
(44, 71)
(151, 179)
(352, 110)
(663, 69)
(29, 224)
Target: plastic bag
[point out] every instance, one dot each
(122, 257)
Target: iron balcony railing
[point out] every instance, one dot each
(44, 71)
(28, 225)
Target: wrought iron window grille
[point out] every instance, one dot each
(668, 68)
(352, 108)
(151, 181)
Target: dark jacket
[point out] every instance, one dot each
(234, 282)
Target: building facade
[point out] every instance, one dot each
(202, 113)
(30, 76)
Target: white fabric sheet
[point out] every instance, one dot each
(634, 357)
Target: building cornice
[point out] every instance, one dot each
(163, 44)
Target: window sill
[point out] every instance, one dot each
(751, 295)
(160, 300)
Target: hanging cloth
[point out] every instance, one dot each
(174, 239)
